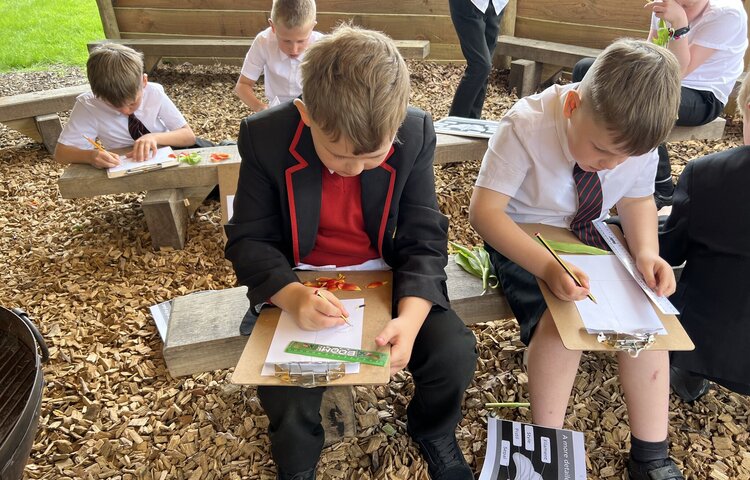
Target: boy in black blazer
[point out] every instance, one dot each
(344, 176)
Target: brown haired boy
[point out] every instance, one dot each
(276, 53)
(565, 157)
(344, 177)
(122, 110)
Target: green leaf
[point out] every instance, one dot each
(581, 248)
(662, 34)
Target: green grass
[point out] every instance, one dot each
(39, 34)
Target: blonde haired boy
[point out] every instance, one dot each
(277, 52)
(344, 177)
(595, 139)
(123, 110)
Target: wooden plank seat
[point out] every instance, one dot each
(173, 194)
(203, 332)
(154, 49)
(35, 114)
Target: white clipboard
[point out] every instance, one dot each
(163, 158)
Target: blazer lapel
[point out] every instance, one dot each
(377, 194)
(304, 189)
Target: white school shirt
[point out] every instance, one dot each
(483, 5)
(281, 73)
(528, 159)
(94, 118)
(722, 27)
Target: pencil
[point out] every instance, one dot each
(560, 261)
(317, 292)
(96, 145)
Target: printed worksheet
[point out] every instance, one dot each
(521, 451)
(621, 306)
(340, 336)
(161, 159)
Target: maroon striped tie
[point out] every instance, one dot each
(136, 128)
(589, 189)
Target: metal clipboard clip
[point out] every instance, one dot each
(309, 375)
(633, 343)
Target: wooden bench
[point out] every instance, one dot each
(35, 114)
(154, 49)
(203, 332)
(172, 194)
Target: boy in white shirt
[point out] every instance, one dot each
(564, 157)
(277, 53)
(123, 110)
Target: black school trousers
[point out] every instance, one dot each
(442, 365)
(477, 34)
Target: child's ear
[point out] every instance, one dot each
(145, 79)
(270, 22)
(302, 111)
(572, 101)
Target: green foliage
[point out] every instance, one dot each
(477, 262)
(662, 34)
(36, 34)
(578, 248)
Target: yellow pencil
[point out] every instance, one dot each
(317, 292)
(560, 261)
(96, 145)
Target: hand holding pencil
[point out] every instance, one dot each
(580, 279)
(102, 158)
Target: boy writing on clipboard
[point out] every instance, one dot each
(564, 158)
(123, 111)
(344, 176)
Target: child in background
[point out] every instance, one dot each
(709, 229)
(277, 53)
(564, 158)
(123, 110)
(344, 177)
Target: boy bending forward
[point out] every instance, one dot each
(564, 157)
(341, 177)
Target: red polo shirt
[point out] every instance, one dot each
(342, 239)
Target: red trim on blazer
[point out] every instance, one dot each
(388, 198)
(290, 191)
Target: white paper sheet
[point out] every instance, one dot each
(340, 336)
(161, 156)
(621, 306)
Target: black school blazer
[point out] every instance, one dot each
(709, 227)
(277, 206)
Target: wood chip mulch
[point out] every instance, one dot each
(86, 272)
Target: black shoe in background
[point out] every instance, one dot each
(686, 385)
(306, 475)
(444, 458)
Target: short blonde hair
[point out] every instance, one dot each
(115, 73)
(633, 87)
(293, 13)
(743, 97)
(355, 83)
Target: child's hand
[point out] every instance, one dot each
(316, 311)
(657, 273)
(562, 285)
(104, 159)
(400, 333)
(669, 11)
(144, 148)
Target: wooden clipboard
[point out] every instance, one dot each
(377, 315)
(568, 322)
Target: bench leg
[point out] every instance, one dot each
(167, 217)
(337, 414)
(195, 196)
(150, 62)
(525, 76)
(49, 127)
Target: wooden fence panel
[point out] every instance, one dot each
(408, 7)
(619, 14)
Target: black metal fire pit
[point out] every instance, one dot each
(21, 385)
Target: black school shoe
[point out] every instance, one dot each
(444, 459)
(657, 470)
(687, 386)
(306, 475)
